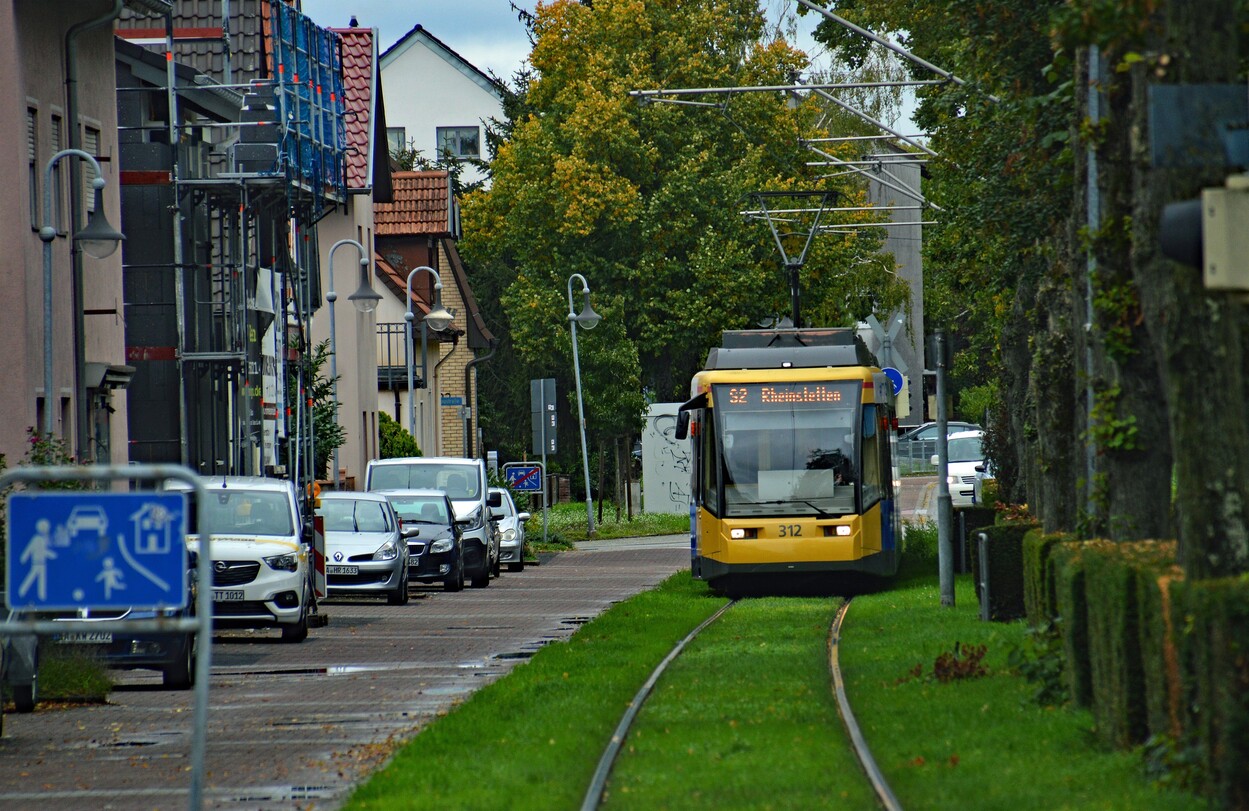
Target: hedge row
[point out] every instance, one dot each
(1148, 652)
(1002, 568)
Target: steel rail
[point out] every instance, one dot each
(884, 794)
(594, 795)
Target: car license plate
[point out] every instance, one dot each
(85, 639)
(414, 557)
(342, 570)
(227, 596)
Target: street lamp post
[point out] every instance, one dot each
(588, 319)
(99, 239)
(365, 300)
(436, 319)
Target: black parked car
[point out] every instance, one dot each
(435, 545)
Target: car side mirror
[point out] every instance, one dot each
(409, 532)
(494, 500)
(683, 425)
(980, 468)
(309, 530)
(935, 460)
(523, 517)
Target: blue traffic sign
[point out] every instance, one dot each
(96, 550)
(523, 478)
(895, 377)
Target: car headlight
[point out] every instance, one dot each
(475, 521)
(509, 534)
(441, 545)
(283, 563)
(951, 480)
(387, 551)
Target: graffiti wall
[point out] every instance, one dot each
(665, 462)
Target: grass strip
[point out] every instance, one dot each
(532, 740)
(974, 742)
(744, 719)
(566, 524)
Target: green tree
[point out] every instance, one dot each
(645, 201)
(327, 433)
(394, 441)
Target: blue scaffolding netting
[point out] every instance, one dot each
(308, 75)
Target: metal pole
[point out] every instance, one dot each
(945, 513)
(408, 317)
(331, 297)
(576, 366)
(425, 380)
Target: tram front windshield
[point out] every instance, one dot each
(788, 448)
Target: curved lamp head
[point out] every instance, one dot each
(587, 318)
(438, 318)
(99, 238)
(365, 298)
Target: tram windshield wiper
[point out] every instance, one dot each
(819, 511)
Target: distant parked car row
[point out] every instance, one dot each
(420, 520)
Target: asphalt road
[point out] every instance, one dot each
(294, 726)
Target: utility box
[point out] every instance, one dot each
(1225, 235)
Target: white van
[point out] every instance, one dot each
(464, 482)
(261, 565)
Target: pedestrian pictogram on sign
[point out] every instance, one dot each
(96, 550)
(523, 477)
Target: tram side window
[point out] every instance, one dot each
(710, 484)
(873, 470)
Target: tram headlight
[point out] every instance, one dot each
(743, 534)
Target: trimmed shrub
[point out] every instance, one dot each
(1116, 669)
(1214, 650)
(967, 522)
(1068, 563)
(1159, 651)
(1038, 577)
(1003, 569)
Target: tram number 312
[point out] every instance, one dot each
(790, 530)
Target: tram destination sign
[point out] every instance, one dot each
(766, 395)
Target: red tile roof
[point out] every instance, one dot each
(422, 205)
(357, 53)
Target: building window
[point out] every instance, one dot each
(57, 186)
(90, 145)
(459, 142)
(32, 155)
(397, 139)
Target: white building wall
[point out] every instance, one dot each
(427, 88)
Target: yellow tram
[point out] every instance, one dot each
(791, 434)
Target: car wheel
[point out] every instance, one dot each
(26, 696)
(455, 581)
(299, 631)
(400, 595)
(480, 581)
(497, 568)
(519, 566)
(180, 674)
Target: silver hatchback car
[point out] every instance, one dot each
(364, 553)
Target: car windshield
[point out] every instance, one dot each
(965, 449)
(421, 510)
(459, 481)
(246, 512)
(349, 515)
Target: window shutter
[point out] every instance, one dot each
(90, 145)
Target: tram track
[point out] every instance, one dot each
(880, 786)
(876, 779)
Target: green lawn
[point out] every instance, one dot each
(745, 718)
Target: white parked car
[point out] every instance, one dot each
(511, 528)
(364, 553)
(260, 562)
(965, 455)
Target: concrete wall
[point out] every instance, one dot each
(665, 462)
(32, 49)
(354, 334)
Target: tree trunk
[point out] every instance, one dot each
(1128, 424)
(1202, 337)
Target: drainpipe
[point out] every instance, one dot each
(81, 434)
(468, 391)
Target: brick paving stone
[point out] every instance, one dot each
(294, 726)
